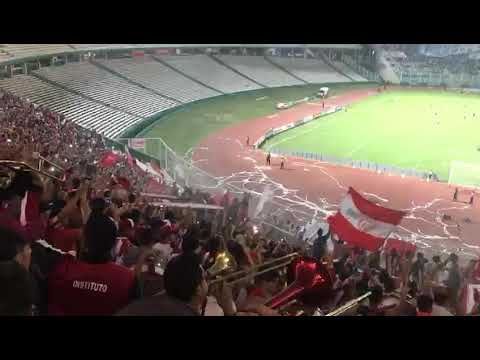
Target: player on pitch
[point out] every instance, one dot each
(248, 141)
(269, 157)
(282, 163)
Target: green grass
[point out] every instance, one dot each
(187, 126)
(396, 128)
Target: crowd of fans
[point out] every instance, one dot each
(438, 59)
(91, 245)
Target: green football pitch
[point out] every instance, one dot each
(423, 130)
(186, 126)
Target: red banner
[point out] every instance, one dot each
(138, 53)
(137, 143)
(163, 51)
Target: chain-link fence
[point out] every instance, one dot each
(278, 215)
(363, 164)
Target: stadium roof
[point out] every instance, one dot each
(11, 53)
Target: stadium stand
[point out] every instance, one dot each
(86, 113)
(156, 76)
(100, 85)
(258, 69)
(209, 72)
(4, 54)
(99, 46)
(348, 71)
(310, 70)
(111, 242)
(19, 51)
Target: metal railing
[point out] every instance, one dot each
(362, 164)
(272, 213)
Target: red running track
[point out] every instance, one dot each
(310, 186)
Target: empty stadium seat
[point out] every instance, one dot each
(108, 88)
(211, 73)
(348, 71)
(311, 70)
(161, 78)
(259, 69)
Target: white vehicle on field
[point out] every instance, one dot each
(323, 93)
(281, 106)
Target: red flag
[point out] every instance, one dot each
(363, 223)
(130, 159)
(400, 246)
(109, 159)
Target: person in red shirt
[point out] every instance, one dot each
(58, 234)
(265, 287)
(94, 285)
(19, 208)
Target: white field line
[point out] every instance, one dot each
(358, 148)
(312, 128)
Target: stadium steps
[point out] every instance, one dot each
(327, 61)
(186, 75)
(235, 70)
(283, 69)
(84, 96)
(133, 82)
(351, 68)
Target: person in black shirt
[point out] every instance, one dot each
(320, 244)
(16, 290)
(185, 291)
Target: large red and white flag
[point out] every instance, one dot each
(363, 223)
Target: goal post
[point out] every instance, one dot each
(464, 174)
